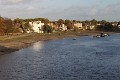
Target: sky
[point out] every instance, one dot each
(61, 9)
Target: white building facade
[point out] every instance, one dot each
(37, 26)
(63, 27)
(79, 25)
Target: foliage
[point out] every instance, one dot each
(1, 25)
(93, 22)
(103, 22)
(28, 27)
(60, 22)
(107, 27)
(47, 29)
(7, 26)
(18, 20)
(43, 20)
(69, 24)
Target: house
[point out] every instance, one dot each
(118, 25)
(63, 27)
(37, 26)
(114, 24)
(91, 27)
(87, 26)
(99, 24)
(79, 25)
(54, 25)
(84, 26)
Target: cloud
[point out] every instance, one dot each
(30, 8)
(13, 2)
(40, 8)
(109, 12)
(81, 10)
(93, 12)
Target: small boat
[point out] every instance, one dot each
(74, 39)
(101, 35)
(97, 36)
(106, 35)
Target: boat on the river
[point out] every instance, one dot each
(101, 35)
(74, 39)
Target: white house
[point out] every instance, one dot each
(92, 27)
(84, 27)
(79, 25)
(98, 24)
(63, 27)
(53, 25)
(37, 26)
(114, 23)
(119, 25)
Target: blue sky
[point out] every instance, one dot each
(66, 9)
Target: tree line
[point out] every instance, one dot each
(22, 25)
(8, 26)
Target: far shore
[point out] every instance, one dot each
(9, 44)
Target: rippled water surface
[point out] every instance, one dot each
(85, 58)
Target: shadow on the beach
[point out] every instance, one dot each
(5, 50)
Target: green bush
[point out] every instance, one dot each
(47, 29)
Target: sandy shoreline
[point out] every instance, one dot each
(9, 44)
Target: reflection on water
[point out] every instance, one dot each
(37, 46)
(85, 58)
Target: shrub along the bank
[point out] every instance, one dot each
(107, 27)
(47, 29)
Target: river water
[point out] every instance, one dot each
(85, 58)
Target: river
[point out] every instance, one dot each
(85, 58)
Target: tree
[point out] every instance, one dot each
(105, 27)
(69, 24)
(1, 25)
(60, 22)
(74, 21)
(28, 27)
(46, 21)
(1, 20)
(43, 20)
(93, 22)
(87, 22)
(47, 29)
(18, 20)
(103, 22)
(8, 24)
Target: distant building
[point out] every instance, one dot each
(88, 26)
(37, 26)
(79, 25)
(114, 23)
(12, 19)
(91, 27)
(85, 27)
(98, 24)
(63, 27)
(54, 25)
(118, 25)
